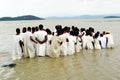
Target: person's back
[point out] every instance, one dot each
(23, 34)
(30, 44)
(90, 42)
(54, 51)
(97, 43)
(17, 46)
(71, 44)
(63, 37)
(103, 41)
(41, 37)
(110, 41)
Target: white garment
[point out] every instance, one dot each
(71, 45)
(78, 44)
(35, 45)
(25, 53)
(41, 47)
(17, 51)
(54, 51)
(97, 43)
(110, 42)
(63, 37)
(30, 45)
(48, 44)
(103, 42)
(87, 42)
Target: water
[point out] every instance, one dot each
(86, 65)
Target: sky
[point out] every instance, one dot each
(60, 8)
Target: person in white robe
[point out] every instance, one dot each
(78, 46)
(110, 42)
(34, 34)
(71, 43)
(103, 41)
(87, 41)
(97, 41)
(17, 46)
(42, 39)
(55, 44)
(23, 34)
(30, 44)
(49, 35)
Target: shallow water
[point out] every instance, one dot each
(87, 65)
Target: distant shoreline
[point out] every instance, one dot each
(19, 18)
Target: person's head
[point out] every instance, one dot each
(68, 29)
(17, 31)
(72, 33)
(48, 31)
(36, 28)
(58, 27)
(33, 29)
(101, 35)
(59, 32)
(96, 35)
(88, 32)
(41, 27)
(73, 27)
(82, 29)
(24, 29)
(104, 32)
(29, 28)
(65, 29)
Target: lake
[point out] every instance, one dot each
(87, 65)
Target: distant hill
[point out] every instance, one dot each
(86, 16)
(25, 17)
(78, 17)
(112, 17)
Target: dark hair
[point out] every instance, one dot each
(29, 28)
(82, 29)
(96, 35)
(33, 29)
(88, 32)
(72, 33)
(59, 31)
(48, 31)
(58, 27)
(101, 35)
(18, 30)
(24, 29)
(36, 28)
(40, 26)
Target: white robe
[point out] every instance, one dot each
(48, 44)
(41, 47)
(97, 43)
(103, 42)
(35, 45)
(110, 40)
(30, 45)
(25, 53)
(63, 37)
(78, 45)
(87, 42)
(71, 45)
(55, 47)
(17, 51)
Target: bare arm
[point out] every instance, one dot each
(44, 40)
(32, 39)
(21, 45)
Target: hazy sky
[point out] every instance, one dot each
(45, 8)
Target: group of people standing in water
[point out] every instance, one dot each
(37, 41)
